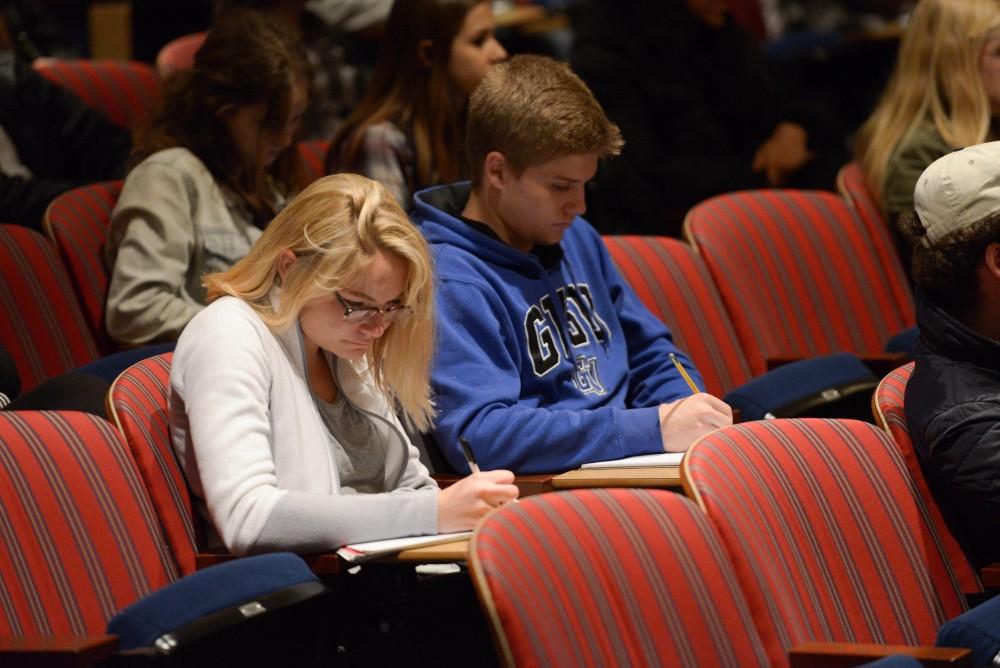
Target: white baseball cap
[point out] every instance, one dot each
(957, 190)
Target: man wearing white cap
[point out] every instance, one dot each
(953, 398)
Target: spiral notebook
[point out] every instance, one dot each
(658, 459)
(358, 552)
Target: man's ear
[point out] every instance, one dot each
(286, 262)
(992, 259)
(424, 47)
(495, 171)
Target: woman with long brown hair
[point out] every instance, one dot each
(212, 168)
(407, 131)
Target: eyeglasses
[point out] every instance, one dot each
(356, 312)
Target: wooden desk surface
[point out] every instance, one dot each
(660, 477)
(991, 576)
(442, 553)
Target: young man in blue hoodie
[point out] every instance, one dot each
(546, 358)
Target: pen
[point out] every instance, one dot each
(469, 457)
(684, 374)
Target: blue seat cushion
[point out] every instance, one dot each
(216, 590)
(780, 392)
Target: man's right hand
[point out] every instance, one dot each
(684, 421)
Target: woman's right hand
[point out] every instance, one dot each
(461, 504)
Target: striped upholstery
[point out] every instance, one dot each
(887, 406)
(611, 577)
(313, 154)
(827, 532)
(851, 185)
(138, 405)
(43, 327)
(178, 54)
(797, 273)
(673, 282)
(77, 223)
(78, 536)
(122, 90)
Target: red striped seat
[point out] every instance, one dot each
(853, 188)
(43, 327)
(887, 406)
(827, 532)
(124, 91)
(138, 405)
(78, 536)
(77, 223)
(178, 54)
(797, 272)
(313, 153)
(610, 578)
(673, 282)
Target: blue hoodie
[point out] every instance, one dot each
(541, 366)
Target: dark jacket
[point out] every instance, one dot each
(953, 412)
(693, 103)
(61, 140)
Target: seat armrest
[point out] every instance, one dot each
(990, 576)
(843, 655)
(56, 651)
(880, 364)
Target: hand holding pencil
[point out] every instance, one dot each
(687, 419)
(461, 504)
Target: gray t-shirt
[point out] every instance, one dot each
(359, 453)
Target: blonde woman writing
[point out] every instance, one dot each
(284, 389)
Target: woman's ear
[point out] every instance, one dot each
(424, 47)
(286, 262)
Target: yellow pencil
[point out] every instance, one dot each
(684, 374)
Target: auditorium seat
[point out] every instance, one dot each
(124, 91)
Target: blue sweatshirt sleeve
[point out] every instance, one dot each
(653, 378)
(477, 381)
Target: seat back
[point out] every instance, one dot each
(124, 91)
(78, 536)
(610, 577)
(137, 402)
(673, 282)
(44, 329)
(313, 153)
(178, 54)
(77, 223)
(852, 186)
(826, 530)
(887, 406)
(797, 272)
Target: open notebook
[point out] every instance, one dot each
(359, 552)
(659, 459)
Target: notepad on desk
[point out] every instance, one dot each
(658, 459)
(358, 552)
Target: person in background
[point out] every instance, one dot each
(336, 85)
(546, 358)
(407, 130)
(944, 94)
(50, 141)
(699, 110)
(213, 168)
(952, 400)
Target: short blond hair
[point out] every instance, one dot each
(335, 227)
(534, 109)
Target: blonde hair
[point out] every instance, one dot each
(533, 109)
(936, 79)
(335, 227)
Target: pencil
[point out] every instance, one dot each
(469, 457)
(684, 374)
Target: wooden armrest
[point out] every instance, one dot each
(990, 575)
(841, 655)
(527, 485)
(56, 651)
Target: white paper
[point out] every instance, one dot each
(659, 459)
(377, 548)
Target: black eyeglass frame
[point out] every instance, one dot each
(390, 313)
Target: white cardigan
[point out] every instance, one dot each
(253, 446)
